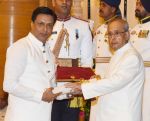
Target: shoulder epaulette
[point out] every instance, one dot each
(145, 20)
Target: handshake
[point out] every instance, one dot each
(65, 91)
(68, 90)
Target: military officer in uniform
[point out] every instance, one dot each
(109, 9)
(140, 38)
(74, 42)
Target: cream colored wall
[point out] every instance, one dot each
(95, 13)
(131, 13)
(84, 5)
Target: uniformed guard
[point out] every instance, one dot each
(109, 9)
(71, 39)
(140, 38)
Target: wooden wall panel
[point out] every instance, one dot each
(15, 17)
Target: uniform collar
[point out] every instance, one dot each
(64, 19)
(145, 20)
(106, 22)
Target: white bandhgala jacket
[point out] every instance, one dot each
(29, 70)
(121, 90)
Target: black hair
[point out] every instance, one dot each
(43, 10)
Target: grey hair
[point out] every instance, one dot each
(122, 21)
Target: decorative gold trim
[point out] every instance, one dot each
(141, 21)
(68, 62)
(102, 59)
(68, 80)
(147, 63)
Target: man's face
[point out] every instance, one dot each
(105, 10)
(140, 12)
(42, 27)
(63, 6)
(117, 36)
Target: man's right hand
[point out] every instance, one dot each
(48, 96)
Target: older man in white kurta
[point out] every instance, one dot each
(121, 90)
(30, 72)
(102, 50)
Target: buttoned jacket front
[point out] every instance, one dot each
(29, 70)
(121, 90)
(101, 49)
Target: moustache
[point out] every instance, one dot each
(44, 34)
(100, 11)
(137, 11)
(64, 6)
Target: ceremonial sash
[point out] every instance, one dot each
(77, 101)
(58, 44)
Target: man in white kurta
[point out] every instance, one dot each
(100, 42)
(140, 38)
(30, 71)
(121, 90)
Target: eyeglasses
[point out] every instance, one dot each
(115, 34)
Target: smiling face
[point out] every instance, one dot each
(118, 34)
(62, 7)
(42, 27)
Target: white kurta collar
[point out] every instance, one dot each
(122, 49)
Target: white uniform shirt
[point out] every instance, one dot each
(102, 49)
(29, 70)
(121, 91)
(80, 40)
(142, 44)
(101, 39)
